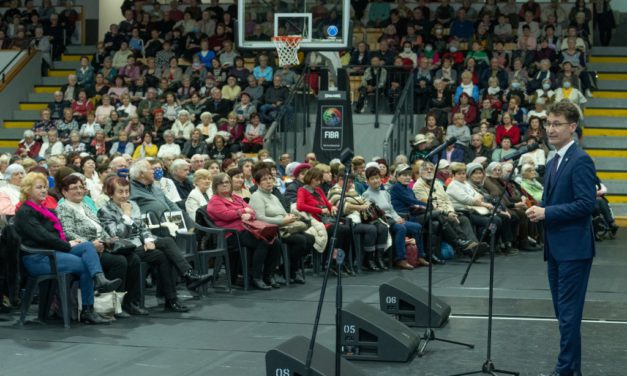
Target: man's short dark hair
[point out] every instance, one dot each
(568, 109)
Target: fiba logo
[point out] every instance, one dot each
(332, 117)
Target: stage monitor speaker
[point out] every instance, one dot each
(369, 334)
(288, 359)
(410, 305)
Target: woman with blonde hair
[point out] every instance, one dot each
(201, 194)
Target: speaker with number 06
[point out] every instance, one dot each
(369, 334)
(409, 304)
(288, 359)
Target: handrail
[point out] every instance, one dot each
(273, 130)
(403, 110)
(8, 65)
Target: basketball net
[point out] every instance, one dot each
(287, 48)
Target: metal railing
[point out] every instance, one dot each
(8, 66)
(401, 129)
(277, 139)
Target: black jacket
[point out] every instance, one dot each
(36, 231)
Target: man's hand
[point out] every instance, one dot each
(535, 214)
(400, 220)
(149, 246)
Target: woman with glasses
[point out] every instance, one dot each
(81, 223)
(228, 210)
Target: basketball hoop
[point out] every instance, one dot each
(287, 48)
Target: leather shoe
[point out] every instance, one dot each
(122, 315)
(260, 284)
(422, 262)
(299, 277)
(371, 266)
(403, 264)
(193, 280)
(175, 306)
(379, 261)
(102, 284)
(270, 281)
(279, 279)
(88, 316)
(135, 309)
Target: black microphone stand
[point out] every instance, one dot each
(338, 304)
(488, 366)
(429, 334)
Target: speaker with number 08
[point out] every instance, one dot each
(409, 304)
(369, 334)
(288, 359)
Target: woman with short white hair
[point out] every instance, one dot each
(170, 148)
(182, 127)
(10, 193)
(207, 127)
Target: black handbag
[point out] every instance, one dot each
(371, 214)
(122, 247)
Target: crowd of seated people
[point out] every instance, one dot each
(124, 139)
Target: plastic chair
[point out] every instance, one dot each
(220, 253)
(64, 281)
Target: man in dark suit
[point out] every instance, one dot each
(566, 209)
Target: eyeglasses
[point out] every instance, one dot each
(75, 188)
(556, 124)
(225, 183)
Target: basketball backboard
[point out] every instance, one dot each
(324, 25)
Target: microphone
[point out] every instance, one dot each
(441, 147)
(346, 156)
(517, 154)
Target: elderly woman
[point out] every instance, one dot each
(182, 127)
(268, 208)
(374, 235)
(459, 129)
(245, 108)
(122, 146)
(207, 127)
(311, 199)
(468, 87)
(201, 193)
(75, 145)
(194, 145)
(28, 147)
(229, 210)
(529, 183)
(253, 136)
(399, 227)
(468, 201)
(40, 228)
(146, 149)
(122, 219)
(80, 223)
(234, 131)
(10, 193)
(169, 148)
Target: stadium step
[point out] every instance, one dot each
(74, 57)
(48, 89)
(604, 122)
(609, 51)
(609, 94)
(606, 142)
(32, 115)
(40, 97)
(610, 132)
(80, 50)
(609, 164)
(619, 103)
(63, 73)
(32, 106)
(618, 67)
(73, 65)
(611, 85)
(54, 81)
(21, 124)
(602, 111)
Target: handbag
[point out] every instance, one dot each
(371, 214)
(262, 230)
(122, 247)
(481, 210)
(293, 228)
(108, 304)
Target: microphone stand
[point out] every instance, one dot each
(338, 304)
(488, 366)
(429, 334)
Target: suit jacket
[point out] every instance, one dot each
(569, 201)
(76, 226)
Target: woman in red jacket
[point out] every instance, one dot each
(508, 129)
(227, 210)
(311, 199)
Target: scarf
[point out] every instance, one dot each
(49, 216)
(122, 147)
(468, 88)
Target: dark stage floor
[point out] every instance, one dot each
(228, 335)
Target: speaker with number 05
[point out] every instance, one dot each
(288, 359)
(409, 304)
(369, 334)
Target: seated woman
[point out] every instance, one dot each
(122, 219)
(122, 146)
(374, 235)
(529, 183)
(10, 193)
(80, 223)
(399, 227)
(40, 228)
(201, 193)
(253, 136)
(237, 181)
(195, 144)
(310, 199)
(146, 149)
(229, 210)
(269, 209)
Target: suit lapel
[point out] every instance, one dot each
(563, 165)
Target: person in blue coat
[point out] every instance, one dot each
(567, 206)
